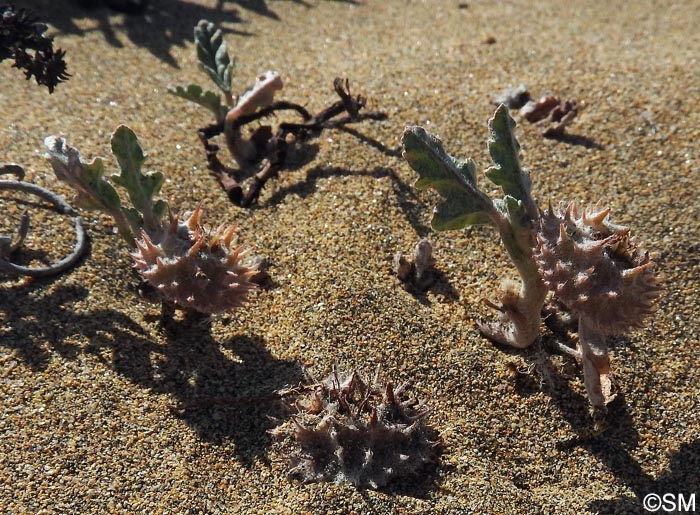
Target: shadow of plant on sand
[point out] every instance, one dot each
(36, 324)
(202, 374)
(407, 199)
(164, 25)
(223, 389)
(613, 447)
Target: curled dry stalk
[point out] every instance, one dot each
(274, 147)
(8, 245)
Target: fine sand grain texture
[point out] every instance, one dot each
(106, 410)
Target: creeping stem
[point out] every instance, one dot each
(62, 207)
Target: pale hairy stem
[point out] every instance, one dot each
(596, 363)
(126, 230)
(519, 324)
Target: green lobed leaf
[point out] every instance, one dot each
(453, 178)
(160, 207)
(213, 54)
(140, 187)
(196, 94)
(87, 179)
(505, 149)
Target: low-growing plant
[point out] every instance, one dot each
(191, 267)
(361, 431)
(416, 272)
(593, 267)
(263, 144)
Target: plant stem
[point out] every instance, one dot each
(596, 363)
(62, 207)
(519, 324)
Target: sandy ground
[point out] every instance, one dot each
(88, 376)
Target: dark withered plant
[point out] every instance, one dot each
(263, 151)
(23, 39)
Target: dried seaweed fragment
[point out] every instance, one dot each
(364, 433)
(10, 244)
(262, 147)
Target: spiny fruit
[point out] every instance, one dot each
(195, 269)
(359, 432)
(595, 268)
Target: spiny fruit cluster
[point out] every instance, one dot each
(193, 269)
(190, 267)
(359, 432)
(595, 268)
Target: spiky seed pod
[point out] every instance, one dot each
(193, 269)
(595, 268)
(359, 432)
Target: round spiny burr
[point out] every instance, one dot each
(595, 268)
(194, 269)
(358, 432)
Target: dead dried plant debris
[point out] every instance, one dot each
(417, 272)
(22, 39)
(272, 147)
(551, 114)
(10, 244)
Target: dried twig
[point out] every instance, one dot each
(62, 207)
(274, 147)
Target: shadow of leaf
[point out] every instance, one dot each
(577, 140)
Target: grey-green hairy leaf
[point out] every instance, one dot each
(140, 187)
(505, 149)
(213, 54)
(453, 178)
(512, 216)
(87, 179)
(196, 94)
